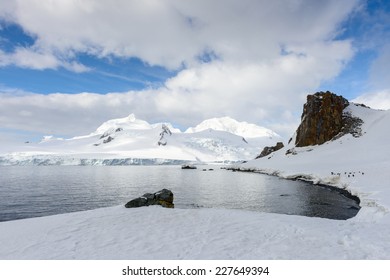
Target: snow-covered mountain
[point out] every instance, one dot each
(228, 124)
(130, 140)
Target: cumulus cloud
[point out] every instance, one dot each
(262, 93)
(263, 58)
(172, 32)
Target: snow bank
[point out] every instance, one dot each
(159, 233)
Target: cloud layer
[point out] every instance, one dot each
(252, 60)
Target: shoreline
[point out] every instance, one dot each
(336, 188)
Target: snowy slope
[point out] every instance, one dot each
(228, 124)
(360, 165)
(133, 141)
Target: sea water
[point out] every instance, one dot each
(33, 191)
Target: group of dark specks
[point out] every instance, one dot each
(349, 174)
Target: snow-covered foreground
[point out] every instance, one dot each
(158, 233)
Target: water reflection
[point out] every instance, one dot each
(37, 191)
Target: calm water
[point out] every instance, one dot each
(32, 191)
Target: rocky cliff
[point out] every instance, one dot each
(325, 118)
(322, 119)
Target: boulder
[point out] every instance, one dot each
(163, 198)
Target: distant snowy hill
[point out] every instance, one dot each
(228, 124)
(129, 140)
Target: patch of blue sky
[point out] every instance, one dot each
(106, 75)
(367, 30)
(13, 36)
(207, 56)
(125, 73)
(353, 80)
(111, 74)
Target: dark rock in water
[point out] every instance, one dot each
(163, 198)
(188, 166)
(268, 150)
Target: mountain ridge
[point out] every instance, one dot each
(129, 140)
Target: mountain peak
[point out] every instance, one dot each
(231, 125)
(129, 122)
(131, 117)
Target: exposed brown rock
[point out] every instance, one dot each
(322, 119)
(267, 150)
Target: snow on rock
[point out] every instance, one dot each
(228, 124)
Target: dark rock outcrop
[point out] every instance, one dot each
(188, 166)
(268, 150)
(165, 131)
(322, 119)
(163, 198)
(108, 140)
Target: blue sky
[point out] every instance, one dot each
(107, 74)
(67, 66)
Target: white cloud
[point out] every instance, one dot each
(27, 58)
(39, 60)
(172, 32)
(379, 71)
(265, 94)
(270, 55)
(376, 100)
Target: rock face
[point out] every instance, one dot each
(165, 131)
(163, 198)
(267, 150)
(322, 119)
